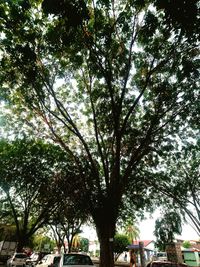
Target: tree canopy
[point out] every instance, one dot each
(111, 86)
(29, 172)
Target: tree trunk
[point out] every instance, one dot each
(22, 242)
(20, 247)
(59, 246)
(106, 246)
(105, 226)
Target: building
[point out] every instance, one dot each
(149, 249)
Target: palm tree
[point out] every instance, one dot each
(133, 232)
(76, 242)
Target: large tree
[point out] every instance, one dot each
(110, 79)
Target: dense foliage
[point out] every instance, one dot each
(29, 184)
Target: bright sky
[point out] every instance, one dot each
(146, 231)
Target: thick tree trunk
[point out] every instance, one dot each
(22, 242)
(105, 226)
(106, 235)
(20, 247)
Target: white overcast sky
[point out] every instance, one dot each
(146, 231)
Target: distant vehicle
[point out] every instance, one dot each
(7, 249)
(35, 258)
(49, 260)
(161, 256)
(17, 260)
(75, 260)
(165, 264)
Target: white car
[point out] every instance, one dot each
(75, 260)
(49, 260)
(17, 260)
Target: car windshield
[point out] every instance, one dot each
(76, 260)
(56, 261)
(161, 254)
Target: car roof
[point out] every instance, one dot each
(52, 255)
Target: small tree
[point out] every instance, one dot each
(174, 180)
(186, 244)
(120, 245)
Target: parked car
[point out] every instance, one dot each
(17, 260)
(49, 260)
(35, 258)
(161, 256)
(165, 264)
(75, 260)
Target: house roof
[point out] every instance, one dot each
(135, 244)
(146, 242)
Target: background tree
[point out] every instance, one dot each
(8, 232)
(43, 243)
(120, 245)
(67, 220)
(59, 236)
(127, 80)
(165, 229)
(84, 244)
(175, 180)
(184, 170)
(76, 243)
(133, 232)
(28, 170)
(186, 244)
(129, 227)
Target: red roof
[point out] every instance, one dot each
(146, 242)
